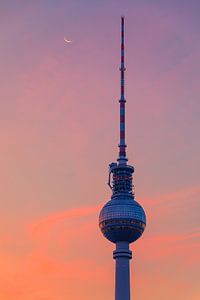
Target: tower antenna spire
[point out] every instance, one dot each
(122, 145)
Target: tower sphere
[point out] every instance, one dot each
(122, 219)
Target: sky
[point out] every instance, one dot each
(59, 124)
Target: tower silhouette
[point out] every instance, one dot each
(122, 220)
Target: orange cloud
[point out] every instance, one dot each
(66, 252)
(53, 219)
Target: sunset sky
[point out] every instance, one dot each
(59, 131)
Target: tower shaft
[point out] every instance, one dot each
(122, 255)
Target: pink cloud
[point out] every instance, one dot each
(182, 194)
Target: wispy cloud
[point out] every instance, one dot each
(53, 219)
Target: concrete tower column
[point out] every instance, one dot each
(122, 255)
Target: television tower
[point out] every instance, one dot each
(122, 220)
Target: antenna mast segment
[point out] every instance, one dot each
(122, 145)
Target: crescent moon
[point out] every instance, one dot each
(67, 41)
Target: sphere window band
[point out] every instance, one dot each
(125, 228)
(118, 221)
